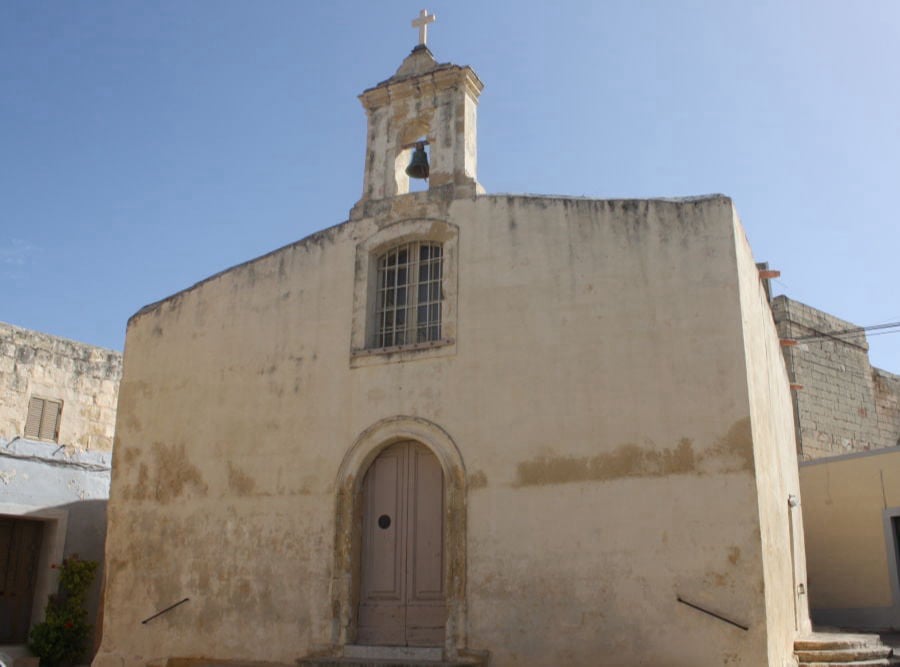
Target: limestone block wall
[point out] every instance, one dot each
(84, 377)
(845, 404)
(887, 406)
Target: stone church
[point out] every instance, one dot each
(461, 428)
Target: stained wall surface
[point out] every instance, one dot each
(595, 390)
(851, 506)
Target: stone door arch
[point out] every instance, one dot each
(347, 539)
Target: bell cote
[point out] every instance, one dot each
(424, 100)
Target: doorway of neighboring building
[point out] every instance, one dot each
(401, 594)
(895, 544)
(20, 547)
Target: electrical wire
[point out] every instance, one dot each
(849, 332)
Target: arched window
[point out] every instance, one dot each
(408, 295)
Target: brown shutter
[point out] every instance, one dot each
(42, 422)
(50, 420)
(33, 421)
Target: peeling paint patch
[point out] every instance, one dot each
(477, 480)
(240, 482)
(716, 579)
(170, 475)
(732, 452)
(737, 443)
(628, 460)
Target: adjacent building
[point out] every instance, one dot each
(847, 419)
(842, 404)
(57, 415)
(851, 510)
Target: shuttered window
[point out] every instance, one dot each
(42, 422)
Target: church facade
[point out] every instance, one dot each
(461, 427)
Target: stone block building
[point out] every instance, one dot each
(847, 420)
(547, 430)
(57, 417)
(842, 403)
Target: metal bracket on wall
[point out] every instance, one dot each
(167, 609)
(712, 613)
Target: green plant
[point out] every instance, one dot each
(62, 637)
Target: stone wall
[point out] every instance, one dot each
(83, 377)
(887, 406)
(845, 405)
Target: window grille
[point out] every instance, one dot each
(42, 422)
(408, 298)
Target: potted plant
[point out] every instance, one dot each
(60, 640)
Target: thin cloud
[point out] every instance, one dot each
(15, 257)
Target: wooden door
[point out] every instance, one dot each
(402, 600)
(20, 543)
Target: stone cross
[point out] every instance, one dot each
(422, 24)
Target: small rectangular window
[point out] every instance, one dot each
(408, 297)
(42, 422)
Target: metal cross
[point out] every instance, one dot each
(422, 24)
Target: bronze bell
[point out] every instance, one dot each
(418, 165)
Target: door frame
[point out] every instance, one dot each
(53, 541)
(348, 525)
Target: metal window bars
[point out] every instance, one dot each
(408, 297)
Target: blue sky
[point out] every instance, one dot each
(145, 146)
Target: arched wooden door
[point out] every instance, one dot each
(402, 597)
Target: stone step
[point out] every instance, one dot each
(208, 662)
(844, 654)
(363, 655)
(836, 641)
(839, 649)
(385, 662)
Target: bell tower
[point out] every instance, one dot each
(424, 101)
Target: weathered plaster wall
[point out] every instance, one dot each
(848, 503)
(775, 458)
(845, 405)
(85, 378)
(597, 394)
